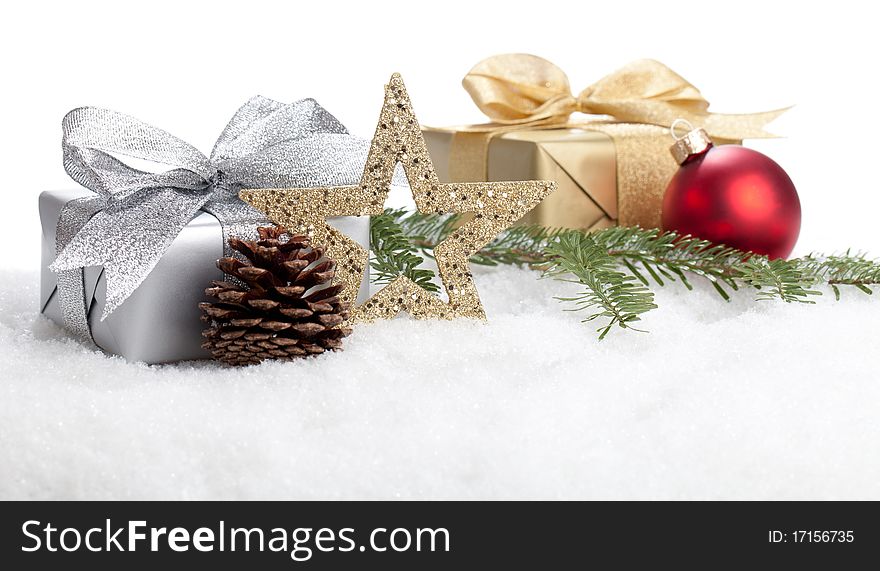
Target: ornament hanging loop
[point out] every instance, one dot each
(680, 123)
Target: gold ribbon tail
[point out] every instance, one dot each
(740, 126)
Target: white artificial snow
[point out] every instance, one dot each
(719, 400)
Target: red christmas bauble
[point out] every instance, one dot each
(735, 196)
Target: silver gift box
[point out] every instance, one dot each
(159, 322)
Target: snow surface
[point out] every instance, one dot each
(720, 400)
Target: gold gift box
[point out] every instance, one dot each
(584, 163)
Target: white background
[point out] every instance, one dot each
(186, 67)
(720, 401)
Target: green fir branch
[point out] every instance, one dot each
(425, 230)
(675, 257)
(778, 279)
(617, 265)
(521, 246)
(394, 254)
(853, 270)
(608, 293)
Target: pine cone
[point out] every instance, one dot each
(280, 315)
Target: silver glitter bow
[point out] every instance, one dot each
(135, 215)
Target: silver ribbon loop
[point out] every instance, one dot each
(135, 215)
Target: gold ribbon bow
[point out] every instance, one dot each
(522, 89)
(643, 99)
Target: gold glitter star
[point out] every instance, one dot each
(493, 206)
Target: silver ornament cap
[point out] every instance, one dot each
(695, 142)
